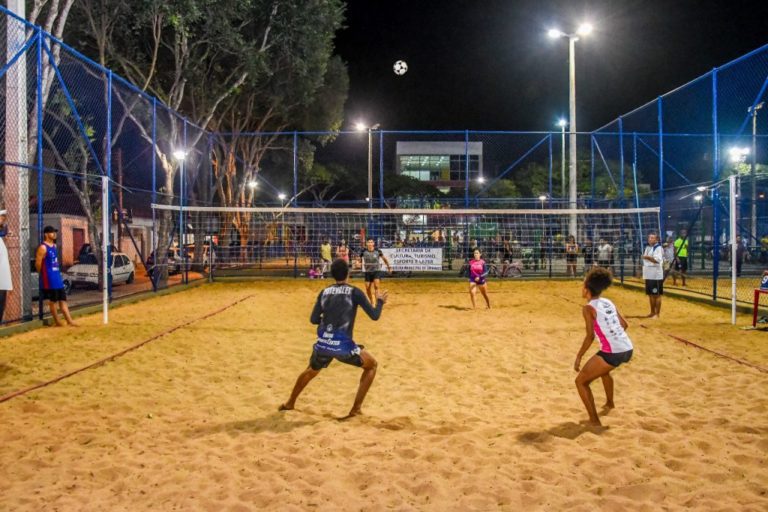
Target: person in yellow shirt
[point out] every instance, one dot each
(681, 256)
(325, 257)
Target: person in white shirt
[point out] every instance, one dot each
(6, 283)
(604, 250)
(653, 273)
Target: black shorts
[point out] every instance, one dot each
(654, 287)
(56, 295)
(603, 263)
(317, 361)
(681, 265)
(570, 258)
(616, 359)
(370, 276)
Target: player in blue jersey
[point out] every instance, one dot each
(51, 282)
(334, 314)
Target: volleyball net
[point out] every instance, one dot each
(436, 242)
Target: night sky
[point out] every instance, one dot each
(489, 65)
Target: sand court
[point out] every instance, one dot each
(470, 410)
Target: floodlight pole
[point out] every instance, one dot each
(734, 247)
(562, 164)
(572, 149)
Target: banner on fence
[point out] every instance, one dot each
(415, 259)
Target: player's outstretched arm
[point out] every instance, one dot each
(386, 261)
(317, 311)
(374, 313)
(623, 322)
(589, 317)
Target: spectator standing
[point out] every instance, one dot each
(51, 282)
(681, 256)
(604, 254)
(6, 284)
(653, 273)
(325, 257)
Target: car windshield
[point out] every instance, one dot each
(90, 259)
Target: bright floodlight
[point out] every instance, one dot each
(253, 184)
(179, 154)
(542, 198)
(698, 197)
(562, 123)
(737, 154)
(554, 33)
(481, 180)
(701, 188)
(585, 29)
(361, 127)
(281, 196)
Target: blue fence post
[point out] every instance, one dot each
(466, 168)
(155, 260)
(549, 143)
(295, 168)
(662, 213)
(592, 171)
(716, 190)
(40, 195)
(381, 169)
(106, 209)
(621, 162)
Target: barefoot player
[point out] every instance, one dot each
(371, 266)
(334, 314)
(604, 321)
(478, 271)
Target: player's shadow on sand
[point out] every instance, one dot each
(457, 308)
(278, 422)
(567, 430)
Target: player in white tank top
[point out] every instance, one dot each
(604, 322)
(609, 332)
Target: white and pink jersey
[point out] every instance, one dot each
(611, 335)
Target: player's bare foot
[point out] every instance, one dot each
(285, 407)
(351, 414)
(608, 405)
(59, 324)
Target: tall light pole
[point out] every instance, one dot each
(753, 171)
(583, 30)
(181, 156)
(362, 127)
(562, 123)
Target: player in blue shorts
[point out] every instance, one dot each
(334, 314)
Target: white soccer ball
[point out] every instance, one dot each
(400, 67)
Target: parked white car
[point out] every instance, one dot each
(86, 271)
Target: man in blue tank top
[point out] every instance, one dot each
(51, 282)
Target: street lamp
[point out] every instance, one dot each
(253, 184)
(181, 155)
(753, 169)
(362, 127)
(583, 30)
(281, 197)
(481, 180)
(562, 123)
